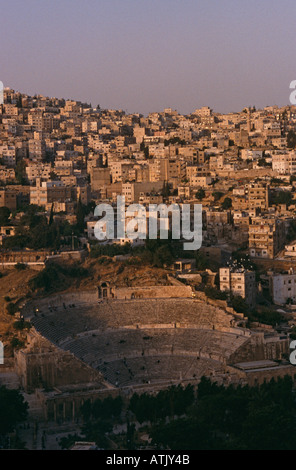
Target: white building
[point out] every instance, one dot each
(247, 154)
(283, 287)
(284, 163)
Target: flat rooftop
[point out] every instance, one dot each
(256, 365)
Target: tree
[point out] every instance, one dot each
(200, 194)
(239, 304)
(13, 410)
(80, 216)
(283, 197)
(51, 216)
(227, 203)
(53, 175)
(234, 418)
(166, 189)
(217, 195)
(4, 215)
(20, 266)
(291, 139)
(11, 308)
(20, 172)
(163, 257)
(215, 294)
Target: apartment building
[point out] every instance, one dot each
(266, 236)
(48, 192)
(99, 177)
(258, 195)
(283, 287)
(37, 149)
(284, 163)
(201, 180)
(38, 170)
(239, 281)
(248, 154)
(8, 155)
(8, 198)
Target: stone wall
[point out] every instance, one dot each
(43, 365)
(258, 347)
(38, 266)
(65, 405)
(154, 292)
(259, 376)
(26, 256)
(70, 298)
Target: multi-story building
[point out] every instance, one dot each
(38, 170)
(8, 155)
(258, 195)
(6, 174)
(47, 192)
(283, 287)
(284, 163)
(201, 180)
(37, 149)
(99, 177)
(8, 198)
(266, 236)
(240, 282)
(248, 154)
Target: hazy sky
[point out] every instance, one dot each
(145, 55)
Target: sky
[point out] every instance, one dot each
(146, 55)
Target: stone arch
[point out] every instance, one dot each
(105, 291)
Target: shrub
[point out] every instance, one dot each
(11, 308)
(22, 325)
(54, 276)
(20, 266)
(17, 343)
(215, 294)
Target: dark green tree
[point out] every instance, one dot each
(20, 172)
(165, 192)
(51, 216)
(4, 215)
(283, 197)
(291, 139)
(217, 195)
(227, 203)
(13, 410)
(80, 214)
(200, 194)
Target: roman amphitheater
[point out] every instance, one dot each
(121, 340)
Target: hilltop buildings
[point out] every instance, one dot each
(58, 154)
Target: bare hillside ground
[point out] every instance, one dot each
(15, 288)
(121, 275)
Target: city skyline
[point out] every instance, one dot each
(172, 109)
(143, 57)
